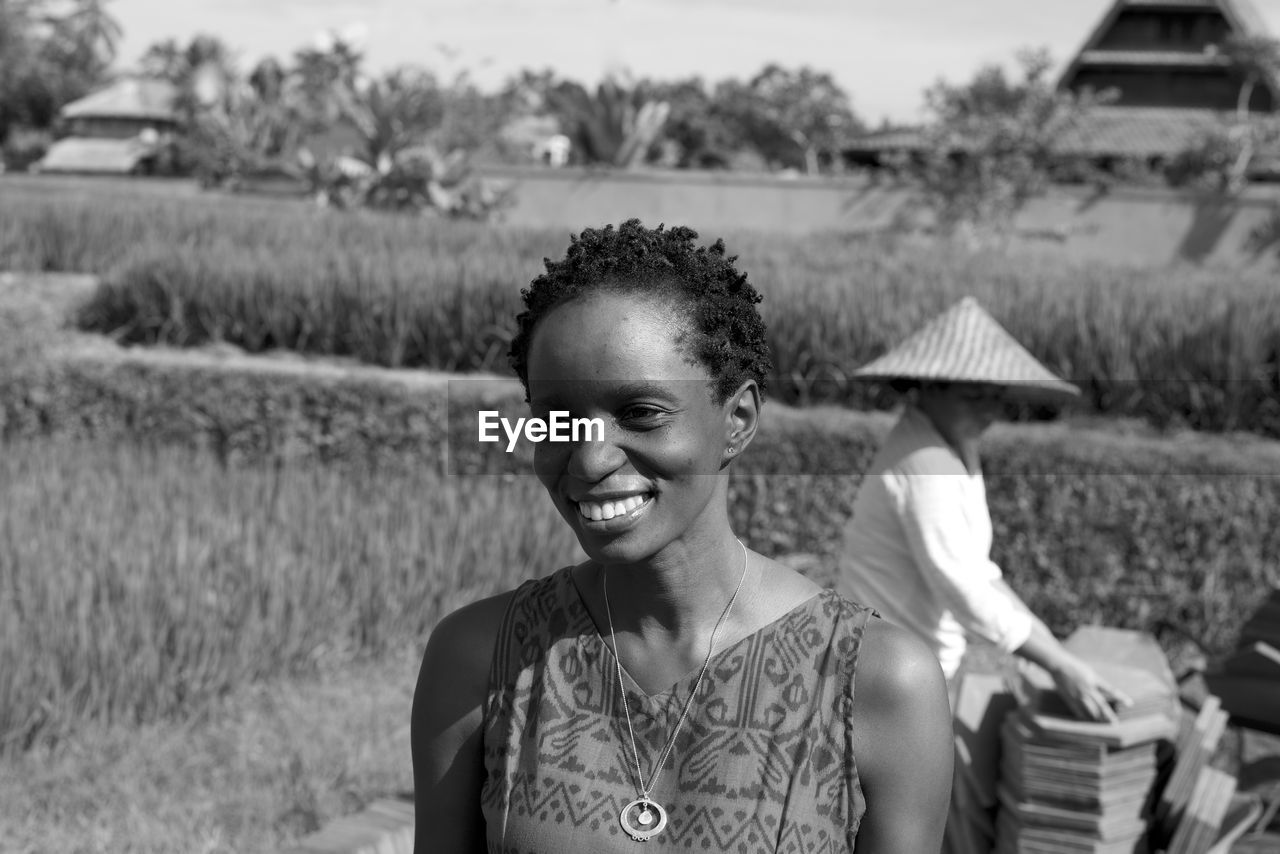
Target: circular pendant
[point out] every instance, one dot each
(643, 819)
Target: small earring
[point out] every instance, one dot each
(732, 450)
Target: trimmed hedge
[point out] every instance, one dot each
(1170, 536)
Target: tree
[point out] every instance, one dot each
(472, 120)
(700, 133)
(253, 126)
(791, 116)
(50, 54)
(19, 49)
(332, 65)
(92, 32)
(614, 126)
(393, 113)
(1258, 58)
(990, 145)
(201, 71)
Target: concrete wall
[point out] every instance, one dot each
(1129, 225)
(711, 201)
(1160, 226)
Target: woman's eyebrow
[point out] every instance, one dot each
(559, 395)
(645, 388)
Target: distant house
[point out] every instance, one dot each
(124, 129)
(1164, 60)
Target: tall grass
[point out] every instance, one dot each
(1195, 348)
(138, 584)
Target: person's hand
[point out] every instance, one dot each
(1086, 693)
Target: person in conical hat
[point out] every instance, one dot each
(918, 546)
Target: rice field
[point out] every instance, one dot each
(138, 584)
(1176, 347)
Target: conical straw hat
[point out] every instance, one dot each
(965, 344)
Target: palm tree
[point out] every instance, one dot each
(615, 126)
(331, 66)
(392, 113)
(202, 71)
(93, 30)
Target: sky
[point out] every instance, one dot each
(884, 53)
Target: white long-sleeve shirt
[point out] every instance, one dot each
(918, 548)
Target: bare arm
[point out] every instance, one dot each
(448, 765)
(1088, 695)
(902, 743)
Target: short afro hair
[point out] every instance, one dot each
(715, 303)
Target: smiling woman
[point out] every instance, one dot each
(675, 688)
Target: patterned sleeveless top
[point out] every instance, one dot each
(764, 762)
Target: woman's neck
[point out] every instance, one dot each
(661, 616)
(965, 443)
(680, 592)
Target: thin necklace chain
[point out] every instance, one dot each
(613, 640)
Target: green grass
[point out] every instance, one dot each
(1180, 347)
(138, 585)
(250, 773)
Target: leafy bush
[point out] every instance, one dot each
(23, 148)
(990, 146)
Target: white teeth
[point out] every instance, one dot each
(609, 509)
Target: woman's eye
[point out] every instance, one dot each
(641, 415)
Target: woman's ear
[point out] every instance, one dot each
(741, 417)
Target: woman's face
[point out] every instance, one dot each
(967, 408)
(655, 478)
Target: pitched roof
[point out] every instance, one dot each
(85, 155)
(1241, 15)
(1146, 132)
(131, 97)
(1138, 131)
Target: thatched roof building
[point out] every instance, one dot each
(120, 129)
(1164, 61)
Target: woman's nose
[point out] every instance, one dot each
(593, 460)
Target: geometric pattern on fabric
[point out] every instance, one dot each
(966, 344)
(764, 762)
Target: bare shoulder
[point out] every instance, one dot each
(787, 586)
(445, 728)
(902, 738)
(462, 643)
(896, 671)
(454, 677)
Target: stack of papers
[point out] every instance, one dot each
(1069, 786)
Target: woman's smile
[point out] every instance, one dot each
(620, 359)
(606, 509)
(613, 517)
